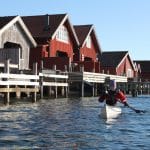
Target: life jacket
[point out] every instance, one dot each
(111, 98)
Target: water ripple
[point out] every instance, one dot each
(73, 124)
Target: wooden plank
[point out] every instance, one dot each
(94, 77)
(54, 84)
(11, 65)
(5, 90)
(97, 77)
(54, 76)
(19, 76)
(29, 83)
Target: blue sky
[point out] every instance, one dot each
(119, 24)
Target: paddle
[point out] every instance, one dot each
(136, 110)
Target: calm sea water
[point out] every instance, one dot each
(73, 124)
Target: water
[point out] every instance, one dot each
(73, 124)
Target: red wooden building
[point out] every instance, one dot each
(89, 48)
(56, 38)
(117, 63)
(144, 73)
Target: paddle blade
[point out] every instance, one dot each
(140, 111)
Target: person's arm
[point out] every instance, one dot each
(101, 98)
(122, 98)
(120, 95)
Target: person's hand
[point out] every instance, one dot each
(125, 104)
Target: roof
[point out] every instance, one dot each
(6, 22)
(46, 26)
(144, 65)
(83, 31)
(43, 25)
(113, 58)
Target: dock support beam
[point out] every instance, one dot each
(34, 95)
(82, 89)
(7, 94)
(93, 89)
(41, 81)
(66, 88)
(56, 88)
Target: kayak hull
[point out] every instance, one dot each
(110, 112)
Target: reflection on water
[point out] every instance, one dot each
(110, 122)
(73, 124)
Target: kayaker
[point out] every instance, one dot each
(112, 95)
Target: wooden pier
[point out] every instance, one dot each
(18, 83)
(52, 83)
(93, 79)
(31, 84)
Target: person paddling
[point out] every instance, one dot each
(114, 95)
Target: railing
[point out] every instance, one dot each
(31, 80)
(89, 66)
(10, 65)
(98, 77)
(18, 79)
(62, 79)
(94, 77)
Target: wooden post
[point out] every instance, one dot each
(7, 94)
(55, 85)
(49, 91)
(18, 93)
(70, 67)
(35, 72)
(41, 81)
(82, 86)
(148, 88)
(66, 91)
(82, 89)
(62, 91)
(66, 88)
(56, 91)
(93, 90)
(82, 68)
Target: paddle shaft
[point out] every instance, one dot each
(136, 110)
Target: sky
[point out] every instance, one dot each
(120, 25)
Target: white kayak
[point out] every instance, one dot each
(110, 112)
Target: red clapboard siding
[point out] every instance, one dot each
(89, 52)
(61, 46)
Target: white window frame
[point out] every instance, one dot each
(129, 73)
(62, 34)
(88, 42)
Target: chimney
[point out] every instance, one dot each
(47, 27)
(47, 19)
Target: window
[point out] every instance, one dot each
(129, 73)
(62, 34)
(88, 42)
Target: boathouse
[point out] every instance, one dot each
(144, 74)
(89, 49)
(56, 38)
(120, 63)
(15, 42)
(143, 77)
(117, 63)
